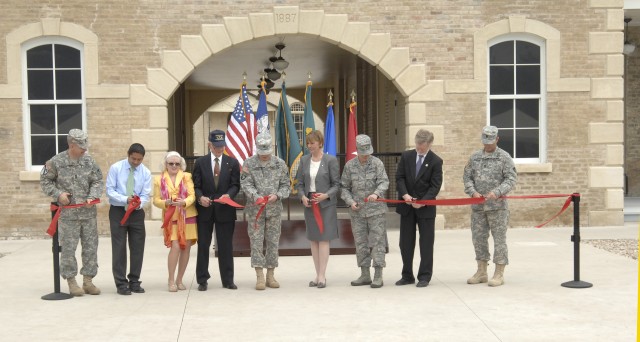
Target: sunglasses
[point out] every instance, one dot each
(173, 164)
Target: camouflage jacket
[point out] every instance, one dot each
(81, 178)
(361, 180)
(487, 172)
(258, 180)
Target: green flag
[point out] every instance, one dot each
(289, 148)
(307, 121)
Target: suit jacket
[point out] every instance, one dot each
(327, 179)
(228, 183)
(423, 186)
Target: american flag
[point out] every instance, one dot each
(242, 129)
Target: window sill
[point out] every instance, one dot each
(29, 176)
(534, 168)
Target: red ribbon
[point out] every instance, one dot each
(316, 213)
(262, 202)
(133, 205)
(166, 226)
(228, 201)
(53, 226)
(480, 200)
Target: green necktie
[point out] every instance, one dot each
(129, 190)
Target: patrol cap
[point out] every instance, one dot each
(263, 144)
(217, 138)
(489, 134)
(363, 144)
(79, 137)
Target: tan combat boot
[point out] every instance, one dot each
(74, 289)
(88, 286)
(498, 276)
(481, 274)
(377, 278)
(260, 284)
(271, 281)
(365, 277)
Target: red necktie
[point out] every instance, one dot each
(216, 171)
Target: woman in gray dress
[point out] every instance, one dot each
(318, 183)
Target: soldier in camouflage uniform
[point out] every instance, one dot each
(73, 177)
(490, 173)
(264, 175)
(363, 178)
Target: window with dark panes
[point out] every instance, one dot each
(515, 97)
(54, 98)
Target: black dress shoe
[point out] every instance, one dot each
(231, 286)
(124, 291)
(137, 289)
(422, 283)
(404, 281)
(202, 287)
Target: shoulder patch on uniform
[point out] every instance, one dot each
(46, 167)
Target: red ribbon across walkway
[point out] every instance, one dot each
(53, 226)
(315, 206)
(133, 205)
(480, 200)
(262, 202)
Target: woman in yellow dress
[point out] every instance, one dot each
(173, 193)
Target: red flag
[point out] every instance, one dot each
(352, 131)
(242, 129)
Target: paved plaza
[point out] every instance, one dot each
(531, 306)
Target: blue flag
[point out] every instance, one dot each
(262, 118)
(307, 121)
(330, 132)
(289, 148)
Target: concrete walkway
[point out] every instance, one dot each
(531, 306)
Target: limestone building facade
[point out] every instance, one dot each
(138, 71)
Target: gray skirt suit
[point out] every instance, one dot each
(327, 181)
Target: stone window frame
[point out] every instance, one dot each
(26, 102)
(49, 27)
(542, 115)
(518, 24)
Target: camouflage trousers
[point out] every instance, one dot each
(70, 233)
(496, 222)
(370, 235)
(267, 232)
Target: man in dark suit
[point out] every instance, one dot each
(419, 177)
(215, 176)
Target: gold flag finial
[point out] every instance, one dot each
(330, 96)
(353, 95)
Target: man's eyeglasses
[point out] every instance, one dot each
(173, 164)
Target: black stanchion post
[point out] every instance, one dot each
(576, 283)
(56, 294)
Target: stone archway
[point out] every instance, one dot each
(355, 37)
